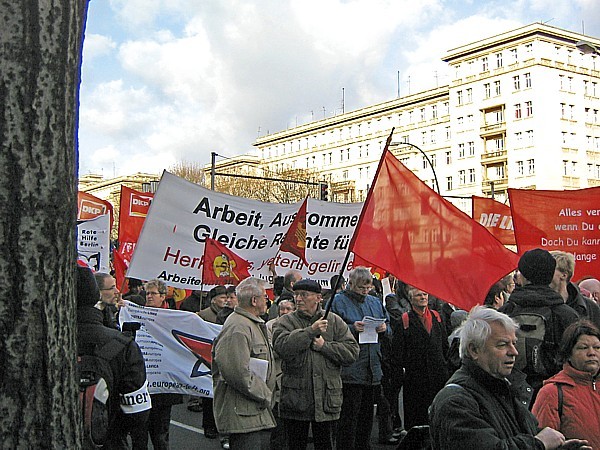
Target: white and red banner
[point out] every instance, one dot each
(93, 243)
(184, 214)
(133, 209)
(496, 217)
(177, 349)
(560, 220)
(89, 207)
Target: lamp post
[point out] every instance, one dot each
(587, 48)
(437, 185)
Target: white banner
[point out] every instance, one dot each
(183, 214)
(93, 243)
(177, 347)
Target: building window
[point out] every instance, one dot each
(425, 162)
(471, 148)
(469, 95)
(449, 183)
(498, 143)
(471, 175)
(563, 110)
(446, 108)
(432, 157)
(513, 55)
(518, 111)
(484, 64)
(529, 137)
(531, 166)
(461, 150)
(460, 120)
(434, 112)
(432, 136)
(498, 60)
(585, 87)
(462, 177)
(497, 87)
(448, 133)
(528, 109)
(487, 90)
(459, 97)
(448, 157)
(518, 139)
(520, 170)
(423, 137)
(561, 79)
(527, 77)
(345, 174)
(422, 111)
(341, 154)
(565, 168)
(517, 82)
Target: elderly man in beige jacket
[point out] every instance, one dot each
(242, 370)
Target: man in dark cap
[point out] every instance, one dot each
(536, 306)
(129, 403)
(312, 350)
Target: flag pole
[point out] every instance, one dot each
(360, 219)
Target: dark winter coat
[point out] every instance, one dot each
(585, 307)
(423, 357)
(478, 411)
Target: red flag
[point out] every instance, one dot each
(89, 207)
(133, 209)
(295, 238)
(495, 217)
(560, 220)
(415, 234)
(221, 265)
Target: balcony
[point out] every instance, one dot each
(571, 182)
(593, 183)
(492, 128)
(500, 185)
(493, 157)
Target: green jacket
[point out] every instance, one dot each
(311, 381)
(242, 400)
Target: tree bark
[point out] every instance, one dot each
(40, 64)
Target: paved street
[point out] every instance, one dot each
(187, 433)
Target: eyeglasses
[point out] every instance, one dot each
(303, 294)
(154, 293)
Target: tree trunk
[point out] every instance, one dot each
(40, 65)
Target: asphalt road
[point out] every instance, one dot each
(186, 432)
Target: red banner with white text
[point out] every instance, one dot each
(560, 220)
(89, 207)
(495, 217)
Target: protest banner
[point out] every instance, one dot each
(93, 243)
(133, 209)
(183, 214)
(295, 238)
(421, 238)
(177, 348)
(495, 217)
(89, 207)
(560, 220)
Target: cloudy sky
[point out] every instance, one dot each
(166, 81)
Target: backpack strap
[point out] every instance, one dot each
(560, 400)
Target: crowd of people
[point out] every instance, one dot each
(517, 372)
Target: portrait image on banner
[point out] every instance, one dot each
(560, 220)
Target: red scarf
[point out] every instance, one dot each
(426, 319)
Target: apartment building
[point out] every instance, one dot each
(520, 111)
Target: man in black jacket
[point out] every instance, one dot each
(130, 407)
(484, 404)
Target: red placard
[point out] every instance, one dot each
(495, 217)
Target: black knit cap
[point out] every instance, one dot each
(307, 285)
(88, 293)
(537, 266)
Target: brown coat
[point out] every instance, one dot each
(242, 400)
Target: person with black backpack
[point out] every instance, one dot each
(542, 316)
(113, 390)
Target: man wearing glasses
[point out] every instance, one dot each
(243, 373)
(312, 350)
(109, 297)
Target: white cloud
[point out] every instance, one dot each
(97, 45)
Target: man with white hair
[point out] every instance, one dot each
(484, 404)
(591, 285)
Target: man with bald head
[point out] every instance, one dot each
(591, 285)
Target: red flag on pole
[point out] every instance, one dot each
(412, 232)
(295, 238)
(560, 220)
(90, 207)
(495, 217)
(221, 265)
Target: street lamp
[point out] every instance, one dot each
(587, 48)
(437, 185)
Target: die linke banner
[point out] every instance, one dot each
(177, 348)
(184, 214)
(496, 217)
(560, 220)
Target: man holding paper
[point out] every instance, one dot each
(361, 380)
(312, 350)
(242, 370)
